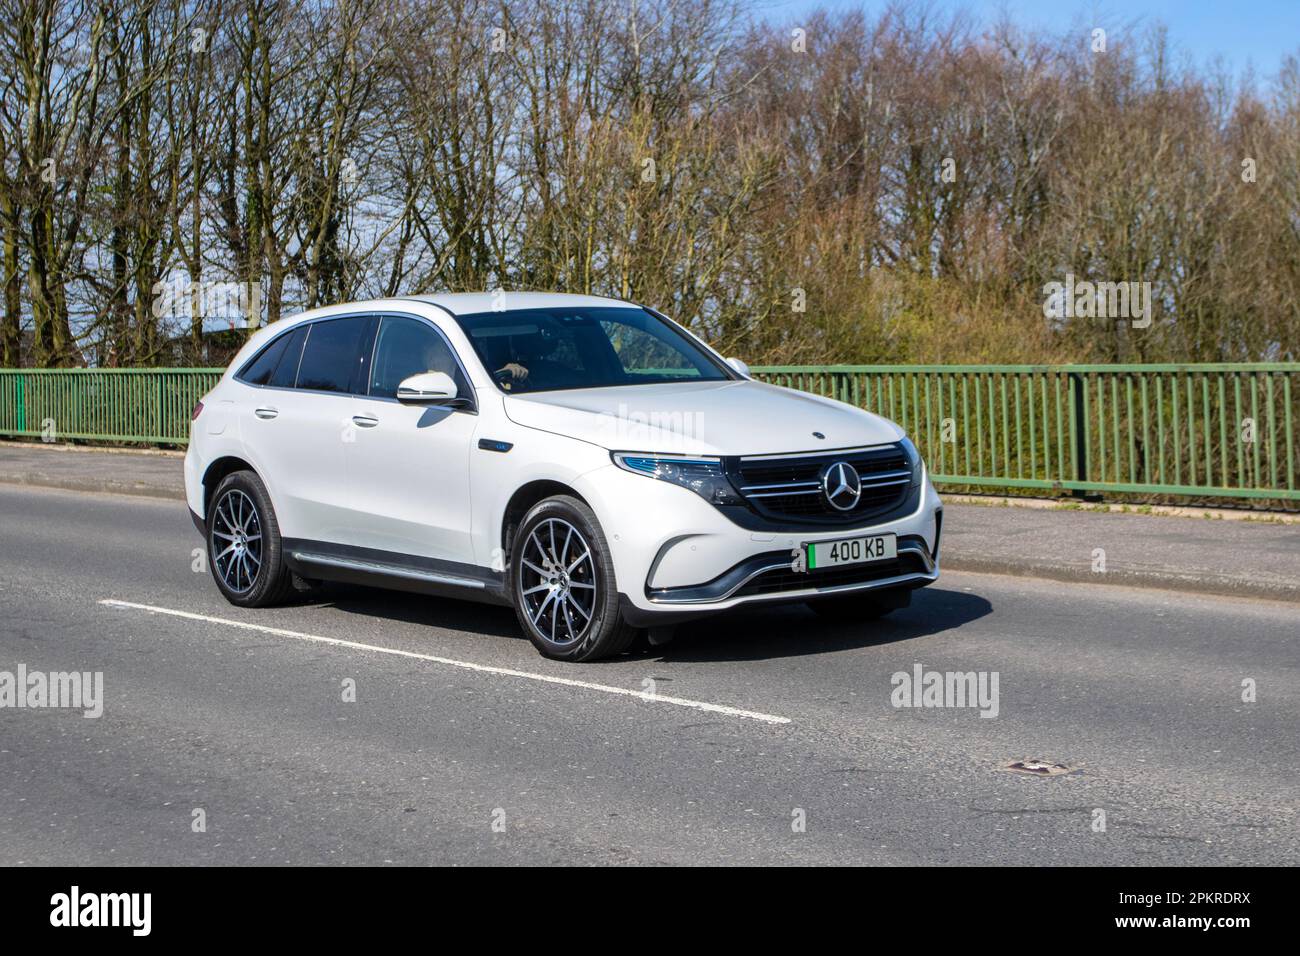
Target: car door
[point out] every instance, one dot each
(409, 464)
(298, 421)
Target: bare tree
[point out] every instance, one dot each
(846, 187)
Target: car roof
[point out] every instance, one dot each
(471, 303)
(457, 303)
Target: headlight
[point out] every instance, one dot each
(914, 457)
(704, 476)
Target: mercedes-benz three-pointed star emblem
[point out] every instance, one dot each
(841, 485)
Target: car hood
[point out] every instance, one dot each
(702, 418)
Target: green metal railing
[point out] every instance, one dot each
(1210, 430)
(150, 406)
(1215, 430)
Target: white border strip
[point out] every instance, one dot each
(466, 665)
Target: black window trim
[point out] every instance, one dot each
(379, 316)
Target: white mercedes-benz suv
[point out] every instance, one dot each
(585, 460)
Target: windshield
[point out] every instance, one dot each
(537, 350)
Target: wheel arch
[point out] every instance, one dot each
(525, 496)
(218, 470)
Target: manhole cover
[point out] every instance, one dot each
(1038, 768)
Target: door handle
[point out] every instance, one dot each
(266, 412)
(364, 421)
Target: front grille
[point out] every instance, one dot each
(791, 487)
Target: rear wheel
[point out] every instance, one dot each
(562, 581)
(244, 547)
(867, 606)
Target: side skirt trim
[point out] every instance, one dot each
(373, 567)
(388, 569)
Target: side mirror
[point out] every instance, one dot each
(739, 366)
(428, 388)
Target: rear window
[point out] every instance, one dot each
(259, 370)
(277, 364)
(286, 372)
(332, 356)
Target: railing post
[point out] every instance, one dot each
(1078, 433)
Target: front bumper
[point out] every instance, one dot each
(678, 557)
(772, 576)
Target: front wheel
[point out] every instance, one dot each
(244, 547)
(562, 581)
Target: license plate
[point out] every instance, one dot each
(876, 547)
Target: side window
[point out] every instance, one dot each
(408, 347)
(333, 354)
(258, 370)
(286, 372)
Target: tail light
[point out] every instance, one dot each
(198, 410)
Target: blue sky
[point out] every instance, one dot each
(1258, 33)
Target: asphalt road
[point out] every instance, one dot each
(459, 750)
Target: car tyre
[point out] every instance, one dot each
(245, 551)
(563, 586)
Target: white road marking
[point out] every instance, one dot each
(467, 665)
